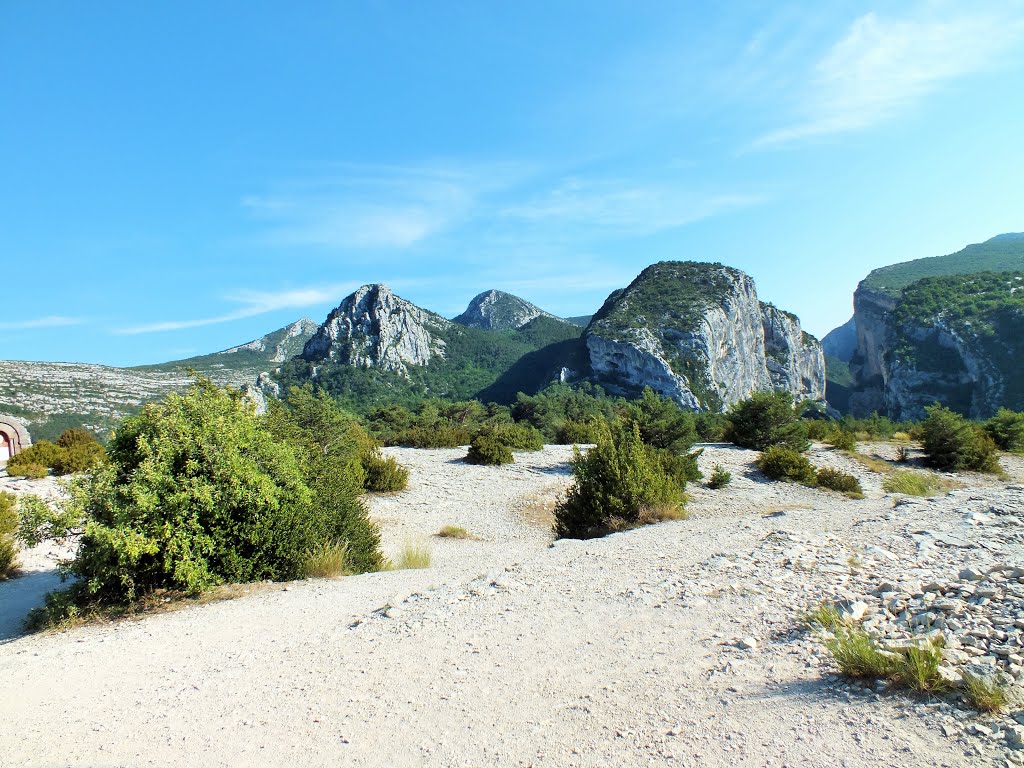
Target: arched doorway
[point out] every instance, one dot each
(5, 446)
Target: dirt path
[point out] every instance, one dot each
(625, 651)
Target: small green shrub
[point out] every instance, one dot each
(383, 474)
(781, 463)
(619, 483)
(1006, 429)
(842, 440)
(579, 432)
(913, 484)
(767, 419)
(27, 469)
(985, 694)
(8, 531)
(818, 429)
(518, 437)
(837, 480)
(720, 477)
(327, 560)
(39, 522)
(76, 450)
(711, 427)
(488, 451)
(951, 443)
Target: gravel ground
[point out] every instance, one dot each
(671, 645)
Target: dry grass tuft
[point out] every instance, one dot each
(411, 556)
(916, 484)
(661, 513)
(454, 532)
(328, 561)
(984, 693)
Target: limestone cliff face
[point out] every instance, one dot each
(698, 334)
(500, 311)
(795, 359)
(375, 328)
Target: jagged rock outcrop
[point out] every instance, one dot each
(281, 344)
(698, 334)
(499, 311)
(795, 359)
(374, 328)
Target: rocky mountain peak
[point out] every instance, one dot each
(697, 333)
(499, 311)
(282, 344)
(374, 327)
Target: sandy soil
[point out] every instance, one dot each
(512, 650)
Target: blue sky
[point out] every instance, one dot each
(177, 178)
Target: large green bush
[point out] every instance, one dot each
(8, 532)
(952, 443)
(518, 437)
(618, 484)
(1006, 428)
(766, 419)
(781, 463)
(198, 491)
(579, 432)
(488, 451)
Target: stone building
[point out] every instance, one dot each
(13, 438)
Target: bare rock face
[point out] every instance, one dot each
(500, 311)
(282, 344)
(697, 333)
(795, 360)
(373, 327)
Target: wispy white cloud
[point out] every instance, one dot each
(884, 66)
(50, 321)
(370, 207)
(252, 303)
(626, 207)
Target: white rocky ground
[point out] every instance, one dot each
(671, 645)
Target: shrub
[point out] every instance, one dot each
(488, 451)
(579, 432)
(617, 482)
(951, 442)
(29, 470)
(720, 477)
(197, 492)
(837, 480)
(781, 463)
(437, 436)
(518, 437)
(1006, 429)
(76, 450)
(766, 419)
(711, 427)
(662, 423)
(8, 530)
(39, 522)
(383, 474)
(913, 484)
(819, 429)
(841, 440)
(901, 436)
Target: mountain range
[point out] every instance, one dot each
(947, 329)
